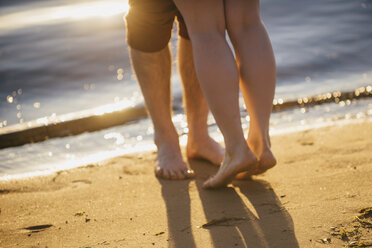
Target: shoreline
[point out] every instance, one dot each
(320, 183)
(67, 165)
(112, 115)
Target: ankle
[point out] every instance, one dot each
(233, 149)
(166, 141)
(197, 139)
(259, 144)
(195, 135)
(167, 150)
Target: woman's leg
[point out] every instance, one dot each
(199, 143)
(256, 63)
(218, 76)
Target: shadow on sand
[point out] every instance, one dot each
(246, 215)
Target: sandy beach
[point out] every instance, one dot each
(310, 199)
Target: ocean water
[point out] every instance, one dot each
(59, 57)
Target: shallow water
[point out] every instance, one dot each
(68, 152)
(58, 58)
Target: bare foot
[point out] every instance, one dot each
(266, 160)
(205, 148)
(171, 165)
(242, 160)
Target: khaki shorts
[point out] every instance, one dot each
(150, 22)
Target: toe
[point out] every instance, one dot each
(209, 183)
(179, 175)
(217, 181)
(173, 175)
(158, 171)
(162, 172)
(188, 173)
(166, 174)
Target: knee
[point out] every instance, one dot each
(204, 28)
(206, 37)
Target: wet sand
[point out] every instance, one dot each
(310, 199)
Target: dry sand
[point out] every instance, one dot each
(322, 180)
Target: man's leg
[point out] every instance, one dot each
(199, 143)
(218, 77)
(257, 73)
(153, 72)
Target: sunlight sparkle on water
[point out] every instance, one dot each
(9, 99)
(109, 108)
(120, 75)
(119, 139)
(43, 120)
(57, 14)
(36, 105)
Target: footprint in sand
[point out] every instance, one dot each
(85, 181)
(80, 183)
